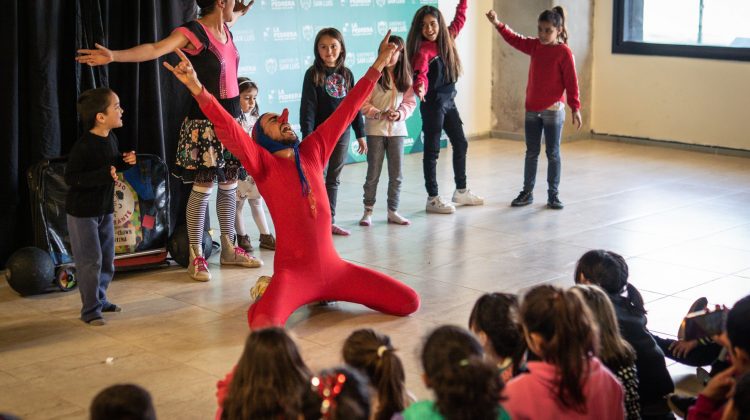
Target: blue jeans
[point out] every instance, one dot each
(93, 243)
(378, 147)
(550, 123)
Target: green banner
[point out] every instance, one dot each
(275, 40)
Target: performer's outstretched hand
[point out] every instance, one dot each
(385, 52)
(98, 57)
(185, 73)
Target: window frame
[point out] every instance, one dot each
(620, 46)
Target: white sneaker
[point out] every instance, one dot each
(366, 219)
(394, 217)
(438, 205)
(467, 198)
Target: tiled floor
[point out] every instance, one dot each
(681, 218)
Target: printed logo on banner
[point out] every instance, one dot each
(289, 64)
(322, 3)
(355, 29)
(247, 70)
(396, 26)
(365, 57)
(305, 4)
(276, 34)
(278, 4)
(243, 36)
(382, 28)
(284, 97)
(272, 65)
(308, 60)
(380, 3)
(308, 32)
(360, 3)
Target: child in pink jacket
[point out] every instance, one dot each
(569, 382)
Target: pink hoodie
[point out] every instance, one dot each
(534, 395)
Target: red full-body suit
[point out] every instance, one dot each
(307, 267)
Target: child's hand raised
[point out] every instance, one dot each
(492, 17)
(129, 157)
(113, 173)
(185, 73)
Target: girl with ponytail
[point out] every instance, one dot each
(609, 271)
(373, 354)
(552, 80)
(569, 382)
(466, 387)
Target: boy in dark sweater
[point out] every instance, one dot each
(91, 173)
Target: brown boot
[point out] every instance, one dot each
(243, 241)
(267, 241)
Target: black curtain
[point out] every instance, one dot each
(40, 81)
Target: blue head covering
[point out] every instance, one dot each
(272, 146)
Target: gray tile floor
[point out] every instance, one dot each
(680, 218)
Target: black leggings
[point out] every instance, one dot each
(435, 119)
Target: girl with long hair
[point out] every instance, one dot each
(269, 381)
(326, 84)
(386, 110)
(568, 382)
(431, 48)
(616, 354)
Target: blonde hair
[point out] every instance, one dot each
(613, 350)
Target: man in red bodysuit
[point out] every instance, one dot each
(288, 173)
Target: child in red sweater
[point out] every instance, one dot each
(552, 77)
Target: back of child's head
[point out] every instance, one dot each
(738, 325)
(556, 17)
(122, 402)
(465, 386)
(92, 102)
(445, 42)
(609, 271)
(269, 380)
(373, 354)
(740, 402)
(319, 65)
(568, 338)
(340, 393)
(613, 349)
(402, 72)
(496, 315)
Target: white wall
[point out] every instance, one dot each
(687, 100)
(474, 45)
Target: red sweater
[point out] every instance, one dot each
(429, 50)
(552, 72)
